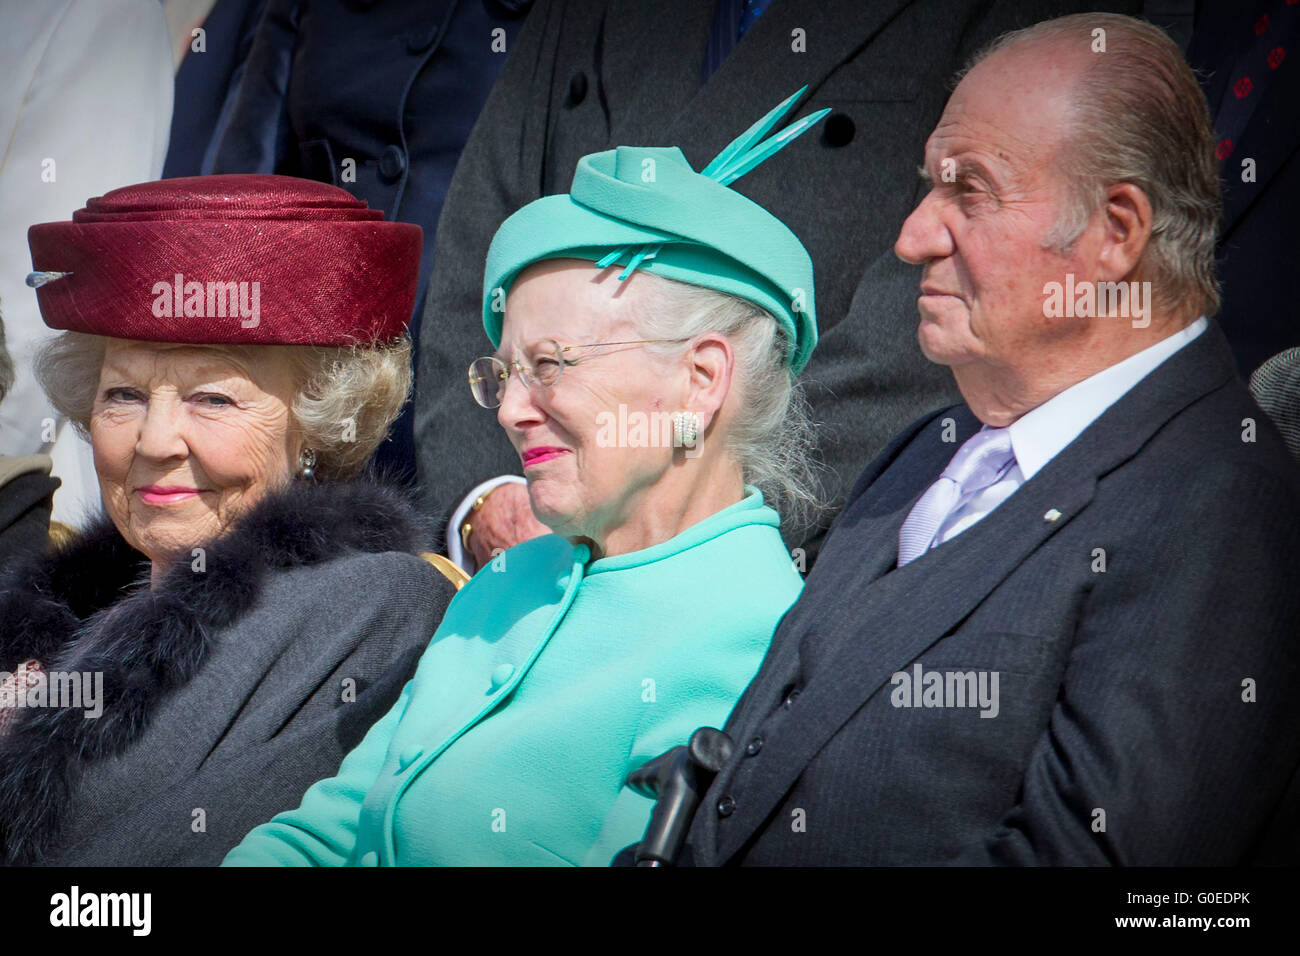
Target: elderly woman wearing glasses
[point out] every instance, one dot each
(649, 398)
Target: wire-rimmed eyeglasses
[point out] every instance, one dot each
(488, 375)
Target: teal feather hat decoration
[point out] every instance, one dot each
(645, 208)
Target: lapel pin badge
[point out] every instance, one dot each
(1052, 515)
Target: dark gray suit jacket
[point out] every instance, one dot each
(588, 75)
(1147, 712)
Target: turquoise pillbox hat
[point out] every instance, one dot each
(644, 207)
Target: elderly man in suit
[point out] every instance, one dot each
(588, 75)
(1058, 623)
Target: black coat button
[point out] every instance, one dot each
(420, 39)
(754, 746)
(577, 88)
(789, 699)
(392, 163)
(726, 806)
(839, 130)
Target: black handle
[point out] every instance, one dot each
(677, 780)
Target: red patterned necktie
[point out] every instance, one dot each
(1270, 50)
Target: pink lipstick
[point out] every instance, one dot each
(535, 456)
(165, 494)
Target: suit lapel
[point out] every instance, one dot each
(887, 619)
(863, 546)
(894, 618)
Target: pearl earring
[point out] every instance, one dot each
(686, 428)
(307, 465)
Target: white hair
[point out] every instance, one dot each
(346, 399)
(772, 435)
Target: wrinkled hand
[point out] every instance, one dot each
(505, 520)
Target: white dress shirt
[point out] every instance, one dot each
(1041, 434)
(455, 550)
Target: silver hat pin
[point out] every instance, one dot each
(37, 279)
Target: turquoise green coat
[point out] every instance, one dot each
(550, 678)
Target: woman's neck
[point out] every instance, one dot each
(681, 499)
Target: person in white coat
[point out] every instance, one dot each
(86, 107)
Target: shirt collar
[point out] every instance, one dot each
(1040, 434)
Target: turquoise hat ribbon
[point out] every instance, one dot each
(645, 208)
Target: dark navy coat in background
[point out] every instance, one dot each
(1258, 244)
(393, 85)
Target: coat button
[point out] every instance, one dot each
(417, 41)
(369, 859)
(790, 698)
(501, 674)
(754, 746)
(726, 806)
(839, 130)
(409, 756)
(392, 163)
(577, 88)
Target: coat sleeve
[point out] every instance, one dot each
(254, 133)
(1174, 731)
(322, 831)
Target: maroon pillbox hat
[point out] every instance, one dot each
(244, 259)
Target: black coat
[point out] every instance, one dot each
(226, 691)
(392, 85)
(1122, 690)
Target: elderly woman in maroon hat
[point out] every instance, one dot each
(234, 350)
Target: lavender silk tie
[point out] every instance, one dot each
(981, 462)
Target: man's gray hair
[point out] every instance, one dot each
(1139, 117)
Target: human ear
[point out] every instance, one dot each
(1127, 232)
(711, 362)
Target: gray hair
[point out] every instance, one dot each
(347, 398)
(6, 365)
(1139, 117)
(772, 436)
